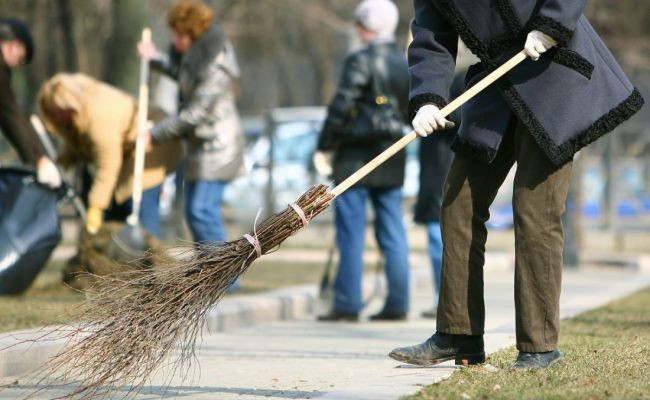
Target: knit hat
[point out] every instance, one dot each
(379, 16)
(11, 28)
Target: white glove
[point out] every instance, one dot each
(323, 163)
(537, 43)
(429, 119)
(47, 173)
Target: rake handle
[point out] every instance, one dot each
(448, 109)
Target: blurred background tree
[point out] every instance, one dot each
(290, 51)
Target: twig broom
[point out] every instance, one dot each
(136, 319)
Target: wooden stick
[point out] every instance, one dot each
(451, 107)
(143, 105)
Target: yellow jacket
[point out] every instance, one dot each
(101, 132)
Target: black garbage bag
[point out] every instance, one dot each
(29, 228)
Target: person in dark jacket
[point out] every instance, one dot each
(435, 158)
(16, 49)
(536, 116)
(366, 116)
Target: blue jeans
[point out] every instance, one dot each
(149, 210)
(435, 253)
(203, 212)
(149, 214)
(350, 219)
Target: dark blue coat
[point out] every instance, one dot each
(573, 95)
(435, 160)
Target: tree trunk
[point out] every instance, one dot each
(69, 47)
(121, 63)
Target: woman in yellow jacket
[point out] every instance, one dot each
(98, 125)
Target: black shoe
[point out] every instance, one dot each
(537, 360)
(336, 315)
(463, 349)
(388, 316)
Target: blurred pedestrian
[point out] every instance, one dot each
(435, 158)
(98, 125)
(16, 49)
(534, 116)
(203, 62)
(367, 115)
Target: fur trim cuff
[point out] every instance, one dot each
(419, 100)
(473, 150)
(564, 152)
(573, 60)
(552, 28)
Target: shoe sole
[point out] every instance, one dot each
(464, 360)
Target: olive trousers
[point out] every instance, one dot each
(540, 190)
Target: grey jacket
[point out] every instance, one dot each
(208, 118)
(573, 95)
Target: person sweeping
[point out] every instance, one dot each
(568, 94)
(203, 62)
(140, 319)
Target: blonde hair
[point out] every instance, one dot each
(191, 17)
(66, 92)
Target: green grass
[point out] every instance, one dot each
(49, 301)
(607, 356)
(267, 275)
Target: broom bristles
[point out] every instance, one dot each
(135, 319)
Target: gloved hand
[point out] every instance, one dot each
(146, 49)
(429, 119)
(94, 219)
(537, 43)
(323, 163)
(47, 173)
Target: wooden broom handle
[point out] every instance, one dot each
(448, 109)
(143, 105)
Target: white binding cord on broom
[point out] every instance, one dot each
(136, 320)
